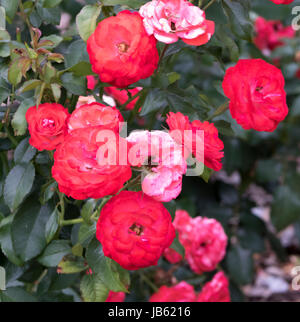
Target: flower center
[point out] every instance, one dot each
(258, 88)
(173, 26)
(123, 47)
(48, 123)
(137, 229)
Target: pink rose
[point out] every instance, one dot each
(169, 20)
(163, 176)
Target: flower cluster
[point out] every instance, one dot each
(93, 160)
(204, 241)
(217, 290)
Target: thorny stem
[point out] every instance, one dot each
(25, 17)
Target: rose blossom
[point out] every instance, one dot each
(217, 290)
(78, 172)
(282, 1)
(91, 82)
(163, 177)
(269, 34)
(210, 151)
(203, 239)
(120, 50)
(95, 114)
(169, 20)
(182, 292)
(257, 96)
(134, 230)
(47, 125)
(115, 297)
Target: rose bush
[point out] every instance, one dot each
(185, 200)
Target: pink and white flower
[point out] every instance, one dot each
(163, 176)
(169, 20)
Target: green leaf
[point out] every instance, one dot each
(81, 69)
(74, 84)
(285, 208)
(240, 265)
(28, 229)
(206, 173)
(30, 85)
(237, 12)
(88, 209)
(51, 226)
(48, 15)
(4, 43)
(2, 18)
(224, 127)
(16, 294)
(11, 7)
(19, 122)
(177, 246)
(7, 246)
(47, 191)
(24, 152)
(111, 273)
(15, 72)
(54, 253)
(135, 4)
(155, 100)
(76, 265)
(86, 20)
(54, 39)
(51, 3)
(93, 289)
(86, 233)
(76, 53)
(56, 90)
(18, 184)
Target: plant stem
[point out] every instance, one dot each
(123, 106)
(71, 221)
(162, 56)
(220, 110)
(148, 281)
(208, 5)
(25, 17)
(62, 208)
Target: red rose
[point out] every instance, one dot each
(121, 96)
(182, 292)
(256, 92)
(115, 297)
(47, 125)
(120, 50)
(134, 230)
(95, 114)
(282, 1)
(213, 145)
(269, 34)
(77, 171)
(215, 291)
